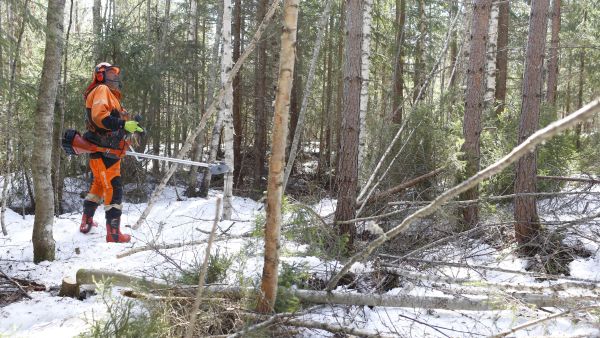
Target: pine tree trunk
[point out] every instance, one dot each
(419, 69)
(347, 169)
(453, 48)
(260, 108)
(97, 29)
(502, 57)
(491, 54)
(43, 242)
(474, 103)
(553, 60)
(527, 223)
(277, 163)
(237, 98)
(364, 90)
(399, 65)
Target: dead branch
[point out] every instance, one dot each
(541, 320)
(312, 324)
(569, 179)
(402, 186)
(190, 329)
(173, 245)
(500, 198)
(595, 283)
(16, 284)
(528, 145)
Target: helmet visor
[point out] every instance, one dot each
(112, 77)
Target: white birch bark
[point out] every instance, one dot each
(364, 90)
(491, 49)
(225, 108)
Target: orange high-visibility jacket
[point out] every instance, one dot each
(104, 110)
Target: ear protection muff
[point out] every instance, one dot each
(100, 74)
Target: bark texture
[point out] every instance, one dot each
(226, 112)
(43, 241)
(260, 97)
(474, 102)
(399, 66)
(268, 285)
(502, 57)
(491, 54)
(347, 168)
(364, 73)
(527, 223)
(553, 60)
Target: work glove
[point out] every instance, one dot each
(132, 127)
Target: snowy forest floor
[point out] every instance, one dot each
(172, 221)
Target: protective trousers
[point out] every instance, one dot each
(106, 185)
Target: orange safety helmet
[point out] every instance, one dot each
(108, 74)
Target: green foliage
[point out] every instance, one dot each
(290, 276)
(218, 264)
(126, 318)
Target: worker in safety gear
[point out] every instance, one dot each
(108, 125)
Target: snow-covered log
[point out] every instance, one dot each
(470, 303)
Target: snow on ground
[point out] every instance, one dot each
(172, 221)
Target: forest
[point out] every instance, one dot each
(288, 168)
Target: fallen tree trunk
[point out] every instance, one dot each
(471, 303)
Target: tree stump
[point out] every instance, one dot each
(69, 288)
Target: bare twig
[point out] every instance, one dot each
(16, 284)
(541, 320)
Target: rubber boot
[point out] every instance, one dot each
(113, 232)
(87, 220)
(87, 223)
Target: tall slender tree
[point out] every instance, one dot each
(43, 241)
(502, 57)
(347, 168)
(474, 102)
(268, 285)
(364, 73)
(527, 223)
(260, 108)
(553, 60)
(237, 94)
(399, 62)
(419, 68)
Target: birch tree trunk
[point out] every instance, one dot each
(364, 90)
(43, 242)
(474, 103)
(225, 111)
(527, 224)
(276, 164)
(490, 67)
(553, 60)
(502, 57)
(347, 168)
